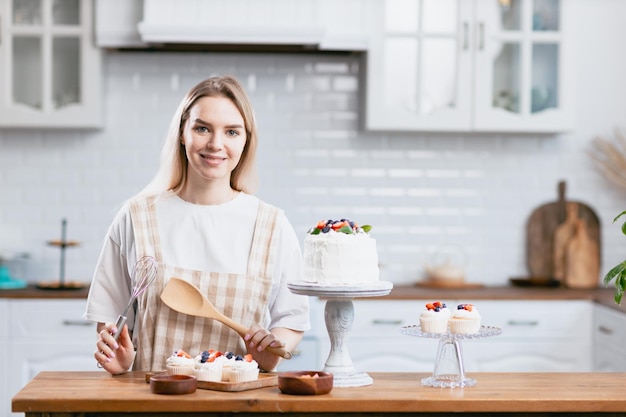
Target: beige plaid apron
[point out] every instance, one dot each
(159, 330)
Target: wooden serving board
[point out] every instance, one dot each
(546, 237)
(264, 380)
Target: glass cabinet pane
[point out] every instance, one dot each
(65, 71)
(506, 78)
(510, 14)
(27, 12)
(27, 71)
(546, 15)
(66, 12)
(545, 70)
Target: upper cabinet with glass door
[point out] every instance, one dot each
(49, 68)
(461, 65)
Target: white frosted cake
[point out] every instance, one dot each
(339, 252)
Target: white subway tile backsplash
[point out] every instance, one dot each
(420, 191)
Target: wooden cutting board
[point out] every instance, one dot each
(551, 234)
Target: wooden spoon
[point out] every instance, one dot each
(186, 298)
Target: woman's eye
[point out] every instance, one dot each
(232, 133)
(200, 129)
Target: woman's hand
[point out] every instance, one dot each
(258, 339)
(115, 357)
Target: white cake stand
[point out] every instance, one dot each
(339, 315)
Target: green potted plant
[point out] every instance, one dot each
(618, 273)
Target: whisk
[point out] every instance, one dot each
(144, 272)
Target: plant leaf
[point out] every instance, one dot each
(619, 215)
(316, 231)
(345, 229)
(366, 228)
(614, 272)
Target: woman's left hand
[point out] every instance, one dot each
(259, 339)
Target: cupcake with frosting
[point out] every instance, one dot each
(243, 369)
(465, 320)
(434, 318)
(180, 363)
(208, 366)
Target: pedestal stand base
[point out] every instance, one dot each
(448, 381)
(339, 315)
(359, 379)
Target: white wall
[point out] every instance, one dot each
(420, 191)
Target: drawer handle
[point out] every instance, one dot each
(522, 322)
(77, 323)
(605, 330)
(386, 322)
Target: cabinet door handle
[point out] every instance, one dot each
(522, 322)
(386, 322)
(77, 323)
(481, 36)
(605, 330)
(465, 36)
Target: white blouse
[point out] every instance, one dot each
(212, 238)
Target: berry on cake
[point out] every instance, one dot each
(340, 252)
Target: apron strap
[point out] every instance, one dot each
(262, 257)
(145, 227)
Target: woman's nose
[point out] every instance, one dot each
(216, 140)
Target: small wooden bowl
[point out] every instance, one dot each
(173, 384)
(305, 382)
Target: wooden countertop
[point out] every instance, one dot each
(85, 392)
(31, 291)
(602, 296)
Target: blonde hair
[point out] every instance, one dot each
(172, 173)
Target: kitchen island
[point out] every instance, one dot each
(100, 394)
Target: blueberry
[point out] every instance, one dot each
(326, 229)
(437, 308)
(229, 355)
(239, 358)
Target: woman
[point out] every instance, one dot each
(198, 219)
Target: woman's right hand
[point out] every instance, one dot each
(115, 357)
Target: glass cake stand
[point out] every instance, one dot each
(339, 315)
(449, 370)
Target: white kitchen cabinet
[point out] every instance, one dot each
(461, 65)
(376, 344)
(537, 336)
(4, 375)
(45, 335)
(609, 336)
(49, 66)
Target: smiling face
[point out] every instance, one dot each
(214, 137)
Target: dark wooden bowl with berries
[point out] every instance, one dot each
(305, 382)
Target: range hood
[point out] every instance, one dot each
(264, 24)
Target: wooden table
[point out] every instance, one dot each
(99, 394)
